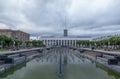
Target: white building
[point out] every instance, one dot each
(63, 41)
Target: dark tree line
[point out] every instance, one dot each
(112, 43)
(10, 43)
(34, 43)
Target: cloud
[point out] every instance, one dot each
(48, 17)
(4, 26)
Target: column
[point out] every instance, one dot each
(43, 41)
(68, 42)
(55, 43)
(75, 43)
(64, 42)
(47, 42)
(60, 42)
(52, 42)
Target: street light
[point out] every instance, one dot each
(108, 44)
(95, 45)
(13, 44)
(1, 45)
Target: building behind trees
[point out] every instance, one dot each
(17, 34)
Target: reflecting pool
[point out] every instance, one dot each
(59, 63)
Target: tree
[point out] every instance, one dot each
(83, 43)
(27, 43)
(5, 41)
(37, 43)
(17, 42)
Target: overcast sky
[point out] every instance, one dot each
(48, 17)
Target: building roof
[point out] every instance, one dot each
(10, 30)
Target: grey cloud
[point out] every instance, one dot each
(51, 14)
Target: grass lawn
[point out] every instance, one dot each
(111, 50)
(116, 50)
(100, 49)
(3, 50)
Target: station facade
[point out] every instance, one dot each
(63, 41)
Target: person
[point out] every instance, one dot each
(93, 48)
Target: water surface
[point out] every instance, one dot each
(47, 66)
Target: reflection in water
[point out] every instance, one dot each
(109, 72)
(63, 61)
(12, 70)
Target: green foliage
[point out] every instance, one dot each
(113, 41)
(34, 43)
(7, 41)
(28, 43)
(17, 42)
(83, 42)
(37, 43)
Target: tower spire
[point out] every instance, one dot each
(65, 29)
(65, 23)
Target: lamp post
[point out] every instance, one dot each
(17, 42)
(90, 45)
(1, 45)
(108, 44)
(13, 44)
(95, 45)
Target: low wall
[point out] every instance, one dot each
(17, 61)
(103, 62)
